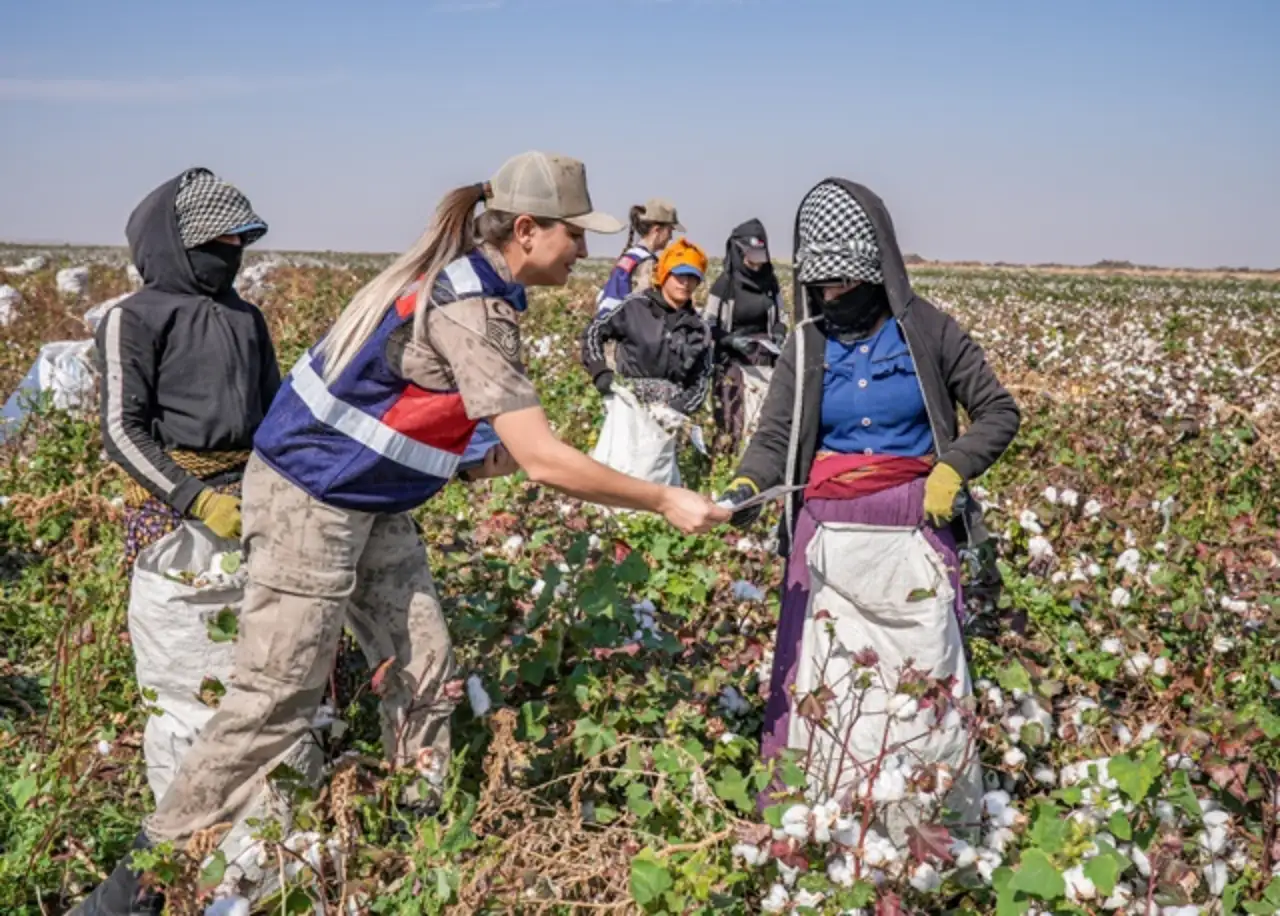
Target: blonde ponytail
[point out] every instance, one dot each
(450, 235)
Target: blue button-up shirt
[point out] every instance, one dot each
(872, 403)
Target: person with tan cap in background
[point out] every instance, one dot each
(370, 424)
(652, 226)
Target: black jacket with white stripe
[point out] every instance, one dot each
(180, 369)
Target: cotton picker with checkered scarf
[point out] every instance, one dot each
(861, 416)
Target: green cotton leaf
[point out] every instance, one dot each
(862, 894)
(649, 879)
(773, 816)
(1038, 877)
(633, 570)
(1049, 831)
(792, 776)
(605, 815)
(1014, 677)
(24, 790)
(211, 875)
(1136, 777)
(224, 627)
(1181, 794)
(1120, 827)
(732, 787)
(532, 715)
(638, 799)
(921, 594)
(1103, 871)
(1009, 902)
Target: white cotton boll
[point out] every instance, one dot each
(1160, 666)
(777, 900)
(1030, 522)
(1234, 605)
(998, 840)
(1223, 645)
(839, 872)
(846, 831)
(1014, 758)
(1045, 776)
(1140, 861)
(1120, 897)
(1238, 860)
(228, 906)
(1166, 812)
(1079, 887)
(902, 706)
(1122, 734)
(1040, 548)
(513, 545)
(995, 803)
(1051, 495)
(1112, 646)
(808, 899)
(1215, 876)
(824, 817)
(1188, 910)
(795, 823)
(104, 748)
(1058, 578)
(1069, 498)
(788, 874)
(1013, 725)
(963, 854)
(1121, 597)
(1218, 818)
(925, 878)
(890, 787)
(995, 696)
(478, 696)
(1092, 509)
(988, 861)
(751, 855)
(1136, 665)
(1213, 840)
(1129, 561)
(538, 588)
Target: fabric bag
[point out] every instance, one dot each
(884, 589)
(633, 442)
(755, 385)
(182, 605)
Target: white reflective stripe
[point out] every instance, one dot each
(607, 303)
(369, 432)
(464, 279)
(115, 410)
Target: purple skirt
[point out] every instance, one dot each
(901, 506)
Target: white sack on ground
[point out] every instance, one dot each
(28, 266)
(170, 621)
(10, 299)
(73, 281)
(633, 442)
(885, 589)
(94, 316)
(64, 368)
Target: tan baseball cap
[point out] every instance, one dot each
(661, 210)
(550, 186)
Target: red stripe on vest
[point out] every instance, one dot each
(432, 418)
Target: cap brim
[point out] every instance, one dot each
(679, 227)
(595, 221)
(687, 271)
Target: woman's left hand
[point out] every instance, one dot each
(940, 493)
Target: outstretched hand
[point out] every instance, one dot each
(692, 513)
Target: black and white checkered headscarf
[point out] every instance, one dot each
(837, 239)
(209, 207)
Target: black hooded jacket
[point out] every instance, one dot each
(180, 370)
(742, 301)
(951, 369)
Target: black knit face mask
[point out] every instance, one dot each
(215, 265)
(855, 311)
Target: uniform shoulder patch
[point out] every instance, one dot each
(503, 331)
(626, 263)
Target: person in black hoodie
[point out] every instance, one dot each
(188, 366)
(745, 312)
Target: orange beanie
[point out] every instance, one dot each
(681, 256)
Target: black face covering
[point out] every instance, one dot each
(854, 313)
(215, 265)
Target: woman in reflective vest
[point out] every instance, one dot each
(371, 423)
(652, 226)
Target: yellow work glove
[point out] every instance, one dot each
(940, 492)
(220, 512)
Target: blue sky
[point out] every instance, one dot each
(1016, 131)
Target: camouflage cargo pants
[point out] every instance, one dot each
(313, 567)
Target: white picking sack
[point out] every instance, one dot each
(65, 368)
(93, 317)
(633, 442)
(10, 299)
(755, 385)
(886, 589)
(181, 595)
(72, 281)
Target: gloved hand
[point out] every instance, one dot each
(219, 511)
(604, 382)
(940, 493)
(740, 490)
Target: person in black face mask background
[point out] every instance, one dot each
(745, 311)
(870, 438)
(188, 366)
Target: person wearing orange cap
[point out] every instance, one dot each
(660, 369)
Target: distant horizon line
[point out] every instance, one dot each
(911, 258)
